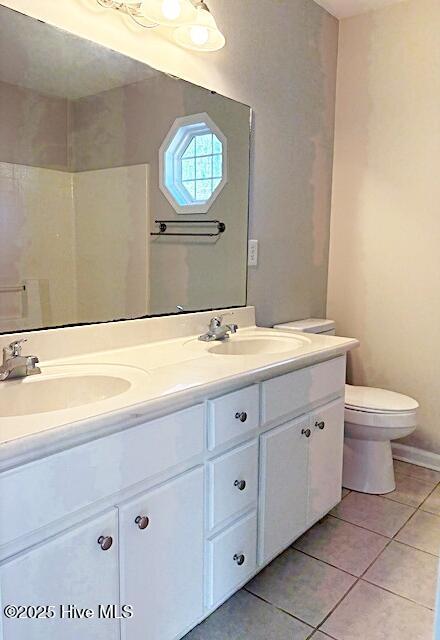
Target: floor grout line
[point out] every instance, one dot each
(428, 496)
(410, 546)
(405, 504)
(387, 496)
(431, 513)
(324, 633)
(403, 473)
(400, 474)
(353, 524)
(337, 604)
(393, 593)
(279, 609)
(329, 564)
(366, 528)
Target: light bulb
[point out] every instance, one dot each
(199, 35)
(171, 9)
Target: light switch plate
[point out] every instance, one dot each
(253, 253)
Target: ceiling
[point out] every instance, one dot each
(53, 62)
(348, 8)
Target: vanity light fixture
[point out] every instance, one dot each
(194, 25)
(202, 34)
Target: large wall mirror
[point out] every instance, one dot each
(123, 191)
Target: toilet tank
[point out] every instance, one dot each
(310, 325)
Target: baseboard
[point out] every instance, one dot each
(416, 456)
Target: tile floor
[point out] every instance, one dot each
(367, 571)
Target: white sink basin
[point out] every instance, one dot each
(59, 388)
(255, 346)
(252, 342)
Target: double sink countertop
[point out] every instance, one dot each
(82, 397)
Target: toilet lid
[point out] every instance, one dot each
(379, 400)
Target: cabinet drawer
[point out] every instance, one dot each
(286, 395)
(233, 483)
(36, 494)
(233, 415)
(232, 558)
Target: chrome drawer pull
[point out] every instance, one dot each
(105, 542)
(241, 415)
(240, 484)
(239, 559)
(306, 432)
(142, 522)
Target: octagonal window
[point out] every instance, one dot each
(193, 164)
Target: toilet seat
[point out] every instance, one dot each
(382, 420)
(371, 407)
(378, 401)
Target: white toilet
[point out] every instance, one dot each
(373, 417)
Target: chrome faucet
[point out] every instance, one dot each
(15, 365)
(217, 330)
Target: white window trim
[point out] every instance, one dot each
(169, 161)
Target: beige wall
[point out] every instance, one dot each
(281, 60)
(33, 128)
(384, 261)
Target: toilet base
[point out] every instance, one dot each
(368, 466)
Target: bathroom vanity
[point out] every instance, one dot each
(166, 508)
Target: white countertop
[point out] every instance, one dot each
(164, 376)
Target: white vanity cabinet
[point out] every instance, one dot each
(70, 569)
(173, 515)
(161, 552)
(301, 460)
(300, 476)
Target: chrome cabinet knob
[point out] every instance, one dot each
(241, 415)
(306, 432)
(105, 542)
(142, 522)
(320, 425)
(240, 484)
(239, 559)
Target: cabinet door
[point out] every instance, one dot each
(71, 569)
(162, 559)
(325, 465)
(283, 482)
